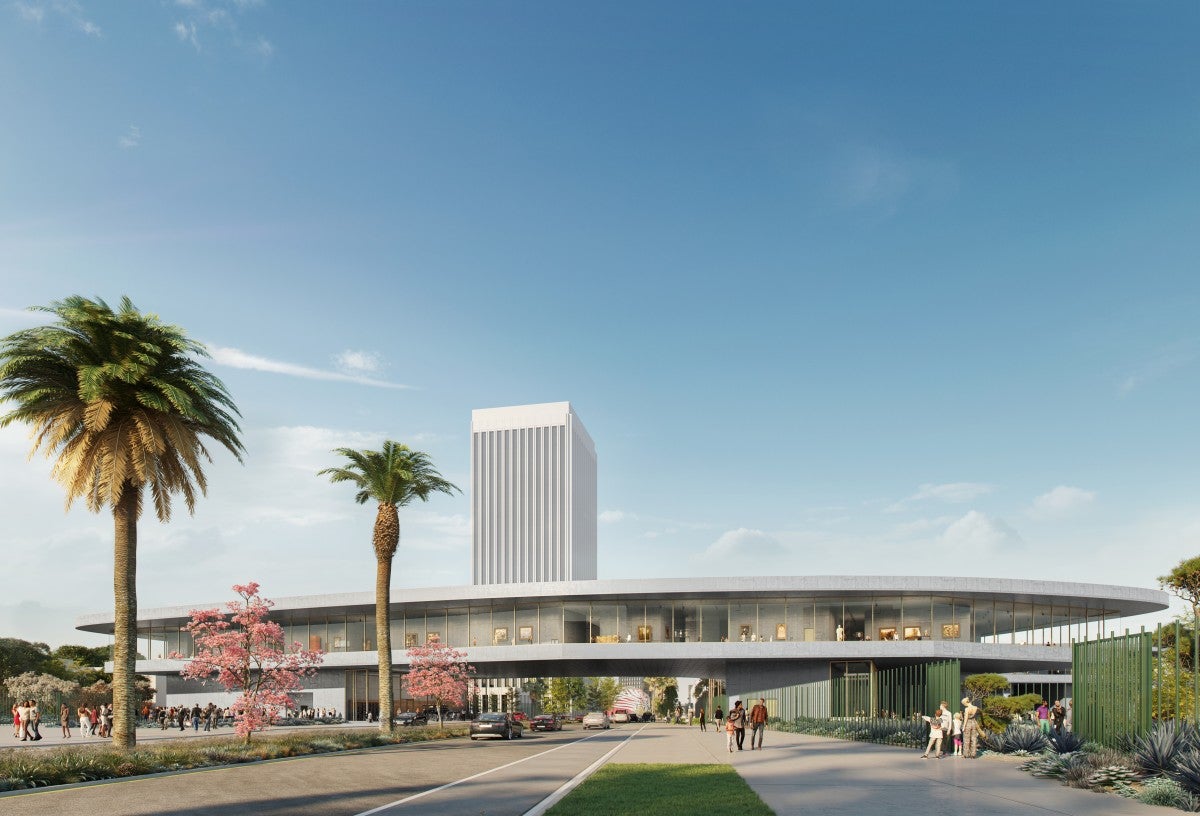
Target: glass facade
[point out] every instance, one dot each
(739, 619)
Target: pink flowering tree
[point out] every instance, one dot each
(438, 672)
(244, 651)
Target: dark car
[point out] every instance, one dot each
(647, 717)
(545, 722)
(496, 724)
(411, 718)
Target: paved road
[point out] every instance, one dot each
(795, 775)
(495, 778)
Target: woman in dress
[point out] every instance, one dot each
(64, 719)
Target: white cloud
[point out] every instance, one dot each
(236, 358)
(949, 492)
(613, 516)
(186, 32)
(132, 138)
(264, 48)
(977, 532)
(1062, 500)
(359, 361)
(743, 543)
(35, 11)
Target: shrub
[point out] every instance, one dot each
(1164, 793)
(1186, 770)
(1017, 739)
(1110, 775)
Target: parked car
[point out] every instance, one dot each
(619, 716)
(596, 719)
(496, 724)
(411, 718)
(546, 722)
(647, 717)
(520, 715)
(576, 717)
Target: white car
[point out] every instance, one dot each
(619, 716)
(595, 719)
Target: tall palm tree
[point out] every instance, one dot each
(393, 477)
(120, 403)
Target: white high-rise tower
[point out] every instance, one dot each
(533, 495)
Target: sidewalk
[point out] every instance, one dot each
(796, 774)
(52, 737)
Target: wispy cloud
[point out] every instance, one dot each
(614, 516)
(1160, 363)
(743, 543)
(222, 20)
(132, 138)
(359, 362)
(873, 176)
(948, 492)
(33, 11)
(978, 532)
(1062, 500)
(236, 358)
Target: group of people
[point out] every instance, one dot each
(1056, 718)
(171, 717)
(962, 727)
(94, 721)
(737, 721)
(26, 720)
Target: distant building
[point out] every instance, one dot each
(533, 495)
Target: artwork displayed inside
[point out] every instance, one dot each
(781, 631)
(525, 634)
(912, 632)
(645, 634)
(430, 637)
(500, 634)
(410, 640)
(744, 631)
(950, 631)
(887, 633)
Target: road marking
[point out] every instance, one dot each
(382, 808)
(554, 798)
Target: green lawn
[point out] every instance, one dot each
(662, 790)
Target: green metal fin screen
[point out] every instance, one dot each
(1112, 686)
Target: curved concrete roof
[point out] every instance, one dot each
(1115, 601)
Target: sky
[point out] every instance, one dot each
(869, 288)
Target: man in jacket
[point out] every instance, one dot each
(758, 724)
(738, 718)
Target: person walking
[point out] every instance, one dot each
(64, 719)
(23, 713)
(957, 733)
(700, 713)
(758, 724)
(719, 715)
(738, 718)
(195, 718)
(970, 728)
(1058, 718)
(16, 715)
(1043, 717)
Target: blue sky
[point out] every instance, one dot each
(836, 288)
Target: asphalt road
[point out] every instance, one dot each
(452, 778)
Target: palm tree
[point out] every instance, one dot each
(393, 477)
(120, 403)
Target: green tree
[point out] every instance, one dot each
(564, 695)
(1184, 583)
(602, 693)
(119, 401)
(19, 656)
(392, 478)
(657, 686)
(981, 686)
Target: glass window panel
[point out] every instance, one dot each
(527, 624)
(984, 612)
(743, 621)
(945, 624)
(336, 629)
(657, 625)
(604, 623)
(962, 616)
(356, 634)
(887, 619)
(829, 620)
(551, 623)
(435, 625)
(1023, 623)
(916, 615)
(481, 626)
(801, 619)
(686, 622)
(397, 630)
(504, 626)
(1043, 625)
(714, 622)
(856, 620)
(456, 633)
(577, 624)
(1004, 622)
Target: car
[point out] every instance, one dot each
(647, 717)
(576, 717)
(496, 724)
(520, 715)
(596, 719)
(411, 718)
(545, 722)
(619, 716)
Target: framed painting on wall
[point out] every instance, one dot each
(887, 633)
(410, 640)
(744, 631)
(500, 634)
(781, 631)
(950, 631)
(430, 637)
(912, 632)
(525, 634)
(645, 633)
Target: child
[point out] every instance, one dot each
(935, 734)
(958, 731)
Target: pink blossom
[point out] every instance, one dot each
(246, 653)
(439, 672)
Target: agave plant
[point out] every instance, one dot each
(1110, 775)
(1067, 742)
(1186, 770)
(1017, 739)
(1156, 752)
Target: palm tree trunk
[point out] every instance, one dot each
(124, 728)
(383, 638)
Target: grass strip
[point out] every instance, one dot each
(662, 790)
(24, 768)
